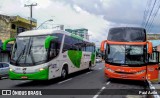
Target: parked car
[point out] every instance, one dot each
(4, 69)
(98, 59)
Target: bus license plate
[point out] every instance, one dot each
(123, 76)
(24, 77)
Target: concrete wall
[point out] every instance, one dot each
(4, 27)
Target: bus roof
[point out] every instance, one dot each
(127, 28)
(37, 32)
(49, 32)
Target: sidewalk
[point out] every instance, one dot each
(156, 86)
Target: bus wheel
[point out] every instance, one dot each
(63, 73)
(90, 66)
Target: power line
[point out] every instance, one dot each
(156, 12)
(150, 14)
(146, 11)
(31, 6)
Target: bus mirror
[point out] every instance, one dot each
(4, 47)
(108, 49)
(102, 45)
(150, 48)
(48, 41)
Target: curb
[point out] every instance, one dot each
(152, 88)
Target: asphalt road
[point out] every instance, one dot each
(83, 82)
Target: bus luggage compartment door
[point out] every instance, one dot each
(152, 66)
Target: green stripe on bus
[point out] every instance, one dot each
(93, 58)
(48, 41)
(75, 57)
(41, 75)
(4, 48)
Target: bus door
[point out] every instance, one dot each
(54, 65)
(152, 66)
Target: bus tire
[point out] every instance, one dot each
(90, 66)
(64, 72)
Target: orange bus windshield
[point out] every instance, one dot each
(126, 54)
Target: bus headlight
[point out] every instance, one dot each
(109, 69)
(10, 69)
(41, 69)
(140, 72)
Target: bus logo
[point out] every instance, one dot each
(24, 70)
(151, 69)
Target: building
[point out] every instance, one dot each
(5, 55)
(81, 32)
(155, 39)
(10, 26)
(0, 46)
(153, 36)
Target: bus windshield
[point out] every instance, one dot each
(29, 50)
(126, 55)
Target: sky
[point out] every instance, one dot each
(95, 15)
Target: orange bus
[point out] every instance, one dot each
(128, 55)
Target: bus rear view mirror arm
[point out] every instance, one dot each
(102, 45)
(4, 48)
(150, 47)
(48, 41)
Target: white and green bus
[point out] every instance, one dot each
(47, 54)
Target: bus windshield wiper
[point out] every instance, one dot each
(31, 54)
(20, 55)
(128, 50)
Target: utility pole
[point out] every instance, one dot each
(31, 6)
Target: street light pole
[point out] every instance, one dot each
(44, 22)
(31, 6)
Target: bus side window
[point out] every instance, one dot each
(54, 50)
(153, 58)
(67, 43)
(83, 48)
(74, 43)
(1, 65)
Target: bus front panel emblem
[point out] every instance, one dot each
(24, 70)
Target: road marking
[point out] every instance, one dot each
(135, 96)
(4, 77)
(100, 68)
(152, 87)
(23, 81)
(99, 92)
(108, 83)
(88, 72)
(65, 81)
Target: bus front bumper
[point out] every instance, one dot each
(41, 75)
(125, 76)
